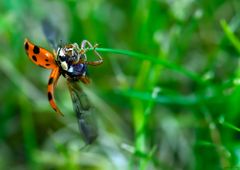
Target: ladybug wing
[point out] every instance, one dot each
(39, 56)
(82, 108)
(52, 33)
(53, 78)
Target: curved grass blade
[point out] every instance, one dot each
(155, 60)
(163, 99)
(230, 35)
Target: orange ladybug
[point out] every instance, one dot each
(69, 60)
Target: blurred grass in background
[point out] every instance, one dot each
(175, 107)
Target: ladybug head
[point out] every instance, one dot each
(69, 55)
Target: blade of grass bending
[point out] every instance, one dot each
(163, 99)
(172, 66)
(230, 35)
(227, 124)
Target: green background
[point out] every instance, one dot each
(174, 104)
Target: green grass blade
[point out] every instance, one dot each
(230, 35)
(193, 76)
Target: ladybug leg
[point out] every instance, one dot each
(93, 63)
(84, 79)
(53, 78)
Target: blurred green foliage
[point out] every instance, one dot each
(167, 96)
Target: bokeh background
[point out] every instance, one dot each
(175, 107)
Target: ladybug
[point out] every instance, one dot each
(69, 60)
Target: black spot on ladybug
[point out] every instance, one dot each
(47, 64)
(50, 81)
(55, 109)
(46, 60)
(49, 96)
(36, 50)
(34, 58)
(26, 46)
